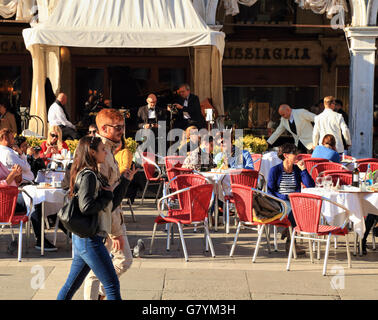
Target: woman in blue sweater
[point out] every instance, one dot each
(327, 150)
(287, 177)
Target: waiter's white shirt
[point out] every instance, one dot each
(56, 117)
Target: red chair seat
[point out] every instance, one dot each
(17, 219)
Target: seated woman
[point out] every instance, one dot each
(189, 141)
(53, 145)
(286, 178)
(327, 150)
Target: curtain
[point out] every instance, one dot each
(8, 8)
(330, 7)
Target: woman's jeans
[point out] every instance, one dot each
(90, 253)
(290, 215)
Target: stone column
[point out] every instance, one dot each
(362, 67)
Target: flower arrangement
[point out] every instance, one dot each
(131, 144)
(34, 142)
(252, 144)
(72, 145)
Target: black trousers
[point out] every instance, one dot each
(69, 133)
(370, 220)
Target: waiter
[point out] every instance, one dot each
(189, 109)
(149, 116)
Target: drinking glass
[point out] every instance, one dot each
(327, 181)
(319, 182)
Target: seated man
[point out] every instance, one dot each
(201, 159)
(9, 157)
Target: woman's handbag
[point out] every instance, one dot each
(84, 226)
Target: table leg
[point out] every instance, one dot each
(216, 212)
(43, 229)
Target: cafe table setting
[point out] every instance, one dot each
(359, 202)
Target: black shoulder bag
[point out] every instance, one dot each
(84, 226)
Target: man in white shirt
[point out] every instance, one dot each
(57, 116)
(298, 123)
(331, 122)
(9, 157)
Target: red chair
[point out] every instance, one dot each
(309, 163)
(257, 158)
(245, 177)
(368, 160)
(362, 166)
(173, 161)
(150, 168)
(193, 214)
(243, 196)
(303, 156)
(306, 210)
(318, 168)
(344, 177)
(8, 216)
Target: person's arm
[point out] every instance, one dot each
(60, 117)
(248, 160)
(345, 131)
(315, 134)
(277, 133)
(13, 158)
(120, 191)
(87, 203)
(141, 122)
(306, 179)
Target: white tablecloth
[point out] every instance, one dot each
(221, 181)
(359, 203)
(268, 161)
(53, 198)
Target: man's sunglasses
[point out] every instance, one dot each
(92, 131)
(53, 135)
(118, 127)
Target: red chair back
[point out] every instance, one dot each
(306, 210)
(362, 166)
(344, 177)
(303, 156)
(257, 158)
(244, 177)
(173, 161)
(8, 200)
(309, 163)
(176, 171)
(199, 201)
(323, 166)
(149, 168)
(243, 197)
(366, 160)
(186, 181)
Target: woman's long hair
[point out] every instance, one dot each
(84, 159)
(59, 133)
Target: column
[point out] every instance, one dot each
(202, 72)
(362, 67)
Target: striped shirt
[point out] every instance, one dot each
(287, 184)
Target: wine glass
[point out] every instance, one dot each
(319, 182)
(327, 181)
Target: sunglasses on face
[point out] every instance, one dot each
(117, 127)
(92, 131)
(53, 135)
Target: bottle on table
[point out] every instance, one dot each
(355, 179)
(368, 176)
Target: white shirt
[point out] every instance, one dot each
(331, 122)
(9, 157)
(151, 113)
(56, 117)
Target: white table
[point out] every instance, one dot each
(222, 186)
(268, 161)
(359, 204)
(52, 200)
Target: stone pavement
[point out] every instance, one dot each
(166, 276)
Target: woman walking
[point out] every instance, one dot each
(93, 196)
